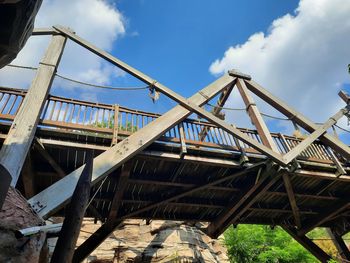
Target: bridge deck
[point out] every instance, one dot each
(69, 128)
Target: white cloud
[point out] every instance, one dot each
(97, 21)
(302, 59)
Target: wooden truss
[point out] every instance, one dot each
(50, 200)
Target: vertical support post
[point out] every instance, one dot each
(255, 116)
(16, 145)
(116, 125)
(183, 149)
(68, 237)
(339, 244)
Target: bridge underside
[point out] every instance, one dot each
(169, 166)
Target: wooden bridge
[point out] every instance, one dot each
(172, 167)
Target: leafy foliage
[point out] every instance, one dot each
(256, 243)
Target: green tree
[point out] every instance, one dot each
(256, 243)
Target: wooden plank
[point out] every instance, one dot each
(111, 159)
(324, 216)
(41, 149)
(308, 244)
(116, 125)
(339, 244)
(300, 119)
(21, 134)
(74, 216)
(173, 95)
(292, 200)
(291, 155)
(255, 116)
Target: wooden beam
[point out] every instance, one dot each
(114, 157)
(291, 196)
(344, 96)
(308, 244)
(217, 109)
(324, 216)
(116, 125)
(193, 107)
(255, 116)
(183, 149)
(297, 117)
(28, 175)
(119, 192)
(291, 155)
(41, 149)
(19, 139)
(105, 230)
(339, 244)
(90, 244)
(74, 216)
(246, 199)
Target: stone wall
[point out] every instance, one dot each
(158, 241)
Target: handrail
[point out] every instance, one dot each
(92, 117)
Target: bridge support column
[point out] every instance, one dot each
(17, 143)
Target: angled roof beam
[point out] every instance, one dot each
(176, 97)
(54, 197)
(298, 118)
(255, 116)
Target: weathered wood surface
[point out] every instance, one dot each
(16, 145)
(255, 116)
(69, 234)
(123, 151)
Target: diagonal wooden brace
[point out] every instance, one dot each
(173, 95)
(54, 197)
(298, 118)
(291, 155)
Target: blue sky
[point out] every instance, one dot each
(297, 49)
(176, 41)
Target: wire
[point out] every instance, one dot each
(244, 109)
(85, 83)
(341, 128)
(101, 86)
(23, 67)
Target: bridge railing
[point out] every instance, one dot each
(98, 118)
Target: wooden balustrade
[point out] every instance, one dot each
(90, 117)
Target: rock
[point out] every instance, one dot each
(17, 214)
(159, 241)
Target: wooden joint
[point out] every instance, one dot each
(237, 74)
